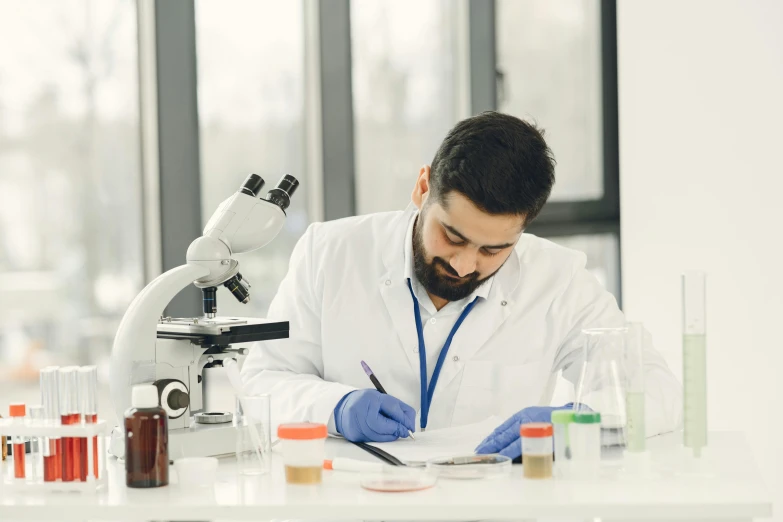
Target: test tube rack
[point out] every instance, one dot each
(34, 429)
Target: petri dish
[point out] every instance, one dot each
(397, 479)
(469, 467)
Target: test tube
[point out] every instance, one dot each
(634, 393)
(69, 415)
(17, 412)
(36, 414)
(561, 421)
(88, 389)
(694, 359)
(52, 449)
(585, 444)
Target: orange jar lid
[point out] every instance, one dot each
(302, 431)
(17, 410)
(536, 429)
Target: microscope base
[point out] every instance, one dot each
(200, 440)
(203, 440)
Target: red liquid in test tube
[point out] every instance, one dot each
(88, 407)
(19, 460)
(69, 415)
(58, 459)
(76, 419)
(68, 451)
(52, 446)
(84, 460)
(73, 456)
(51, 465)
(92, 419)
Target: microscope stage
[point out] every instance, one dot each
(221, 330)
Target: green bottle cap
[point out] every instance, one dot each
(562, 416)
(587, 417)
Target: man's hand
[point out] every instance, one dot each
(371, 416)
(505, 438)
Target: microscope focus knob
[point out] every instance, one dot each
(178, 399)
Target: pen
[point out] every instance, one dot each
(346, 464)
(379, 387)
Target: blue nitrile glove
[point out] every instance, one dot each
(505, 438)
(371, 416)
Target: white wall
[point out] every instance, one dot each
(701, 163)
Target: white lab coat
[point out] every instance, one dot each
(347, 300)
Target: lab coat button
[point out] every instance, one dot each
(503, 303)
(455, 358)
(388, 282)
(415, 350)
(432, 321)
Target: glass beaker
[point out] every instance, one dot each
(603, 382)
(252, 424)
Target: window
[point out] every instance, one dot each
(552, 62)
(71, 256)
(549, 59)
(250, 100)
(603, 256)
(404, 94)
(556, 65)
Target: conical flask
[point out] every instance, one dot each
(603, 382)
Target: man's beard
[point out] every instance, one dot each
(440, 285)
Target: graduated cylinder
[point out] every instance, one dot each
(694, 359)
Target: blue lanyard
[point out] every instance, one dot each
(426, 396)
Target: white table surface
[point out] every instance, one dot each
(723, 485)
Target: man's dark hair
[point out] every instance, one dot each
(499, 162)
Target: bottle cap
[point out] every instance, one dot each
(88, 390)
(536, 429)
(69, 391)
(562, 416)
(144, 396)
(587, 417)
(49, 393)
(17, 410)
(302, 431)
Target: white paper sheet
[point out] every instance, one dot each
(446, 442)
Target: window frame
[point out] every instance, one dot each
(173, 144)
(563, 218)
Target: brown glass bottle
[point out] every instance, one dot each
(146, 440)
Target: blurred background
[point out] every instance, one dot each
(123, 124)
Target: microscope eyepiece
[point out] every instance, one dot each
(238, 288)
(281, 194)
(253, 185)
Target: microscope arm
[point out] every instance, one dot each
(134, 344)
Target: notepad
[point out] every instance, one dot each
(444, 442)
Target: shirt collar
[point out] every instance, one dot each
(482, 291)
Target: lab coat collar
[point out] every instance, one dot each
(478, 327)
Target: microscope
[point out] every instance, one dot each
(183, 357)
